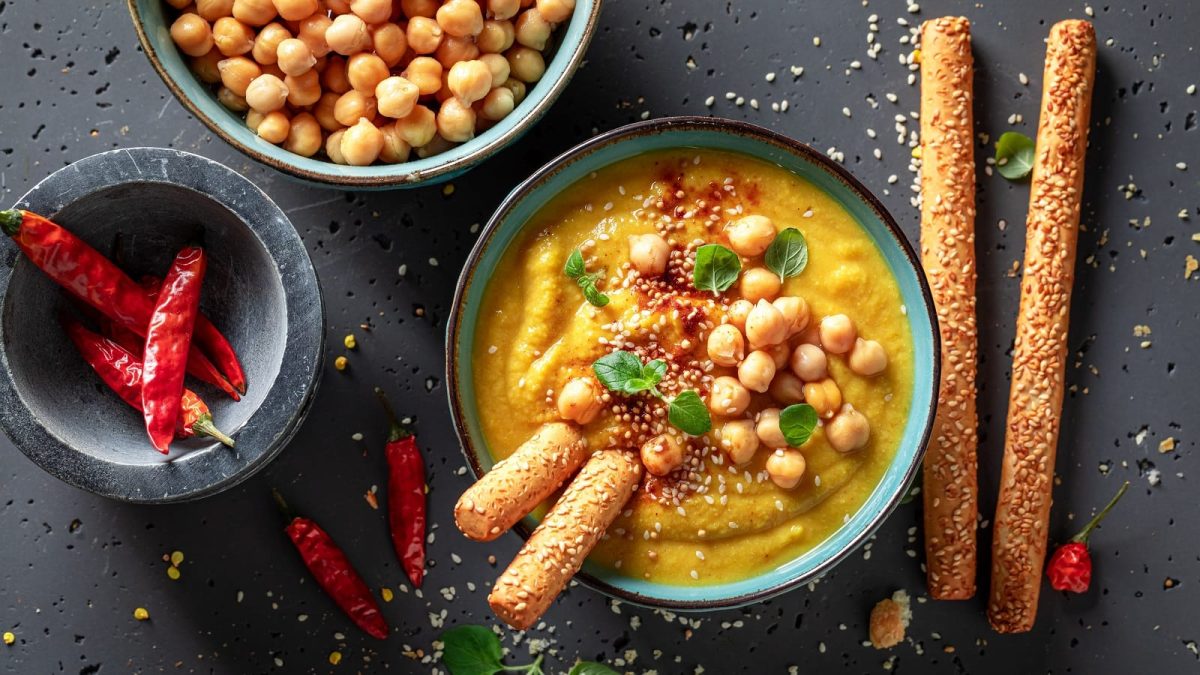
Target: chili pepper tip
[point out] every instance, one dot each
(10, 221)
(397, 430)
(282, 504)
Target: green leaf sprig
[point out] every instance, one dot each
(787, 256)
(575, 270)
(716, 269)
(624, 373)
(591, 668)
(1014, 155)
(475, 650)
(797, 422)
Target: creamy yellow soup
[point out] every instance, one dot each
(717, 523)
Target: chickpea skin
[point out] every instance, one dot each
(498, 67)
(780, 354)
(254, 12)
(304, 136)
(496, 37)
(749, 236)
(324, 111)
(759, 283)
(726, 347)
(266, 44)
(312, 32)
(824, 396)
(390, 43)
(739, 441)
(266, 93)
(764, 326)
(274, 127)
(354, 106)
(795, 313)
(372, 11)
(337, 7)
(556, 11)
(348, 35)
(728, 398)
(766, 426)
(497, 104)
(837, 334)
(532, 30)
(237, 73)
(232, 37)
(517, 88)
(205, 67)
(662, 454)
(579, 400)
(295, 10)
(333, 146)
(786, 389)
(460, 18)
(456, 121)
(425, 8)
(848, 430)
(455, 49)
(294, 57)
(303, 90)
(738, 312)
(192, 35)
(503, 9)
(809, 363)
(786, 467)
(365, 72)
(231, 100)
(362, 143)
(211, 10)
(396, 96)
(426, 73)
(395, 149)
(419, 127)
(333, 77)
(424, 35)
(649, 254)
(469, 81)
(756, 371)
(867, 357)
(527, 64)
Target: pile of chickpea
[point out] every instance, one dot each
(368, 80)
(776, 350)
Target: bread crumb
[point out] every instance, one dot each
(889, 620)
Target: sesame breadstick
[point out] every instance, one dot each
(518, 483)
(1040, 349)
(948, 255)
(566, 536)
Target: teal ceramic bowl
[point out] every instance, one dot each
(152, 20)
(708, 133)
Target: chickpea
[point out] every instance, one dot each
(205, 67)
(786, 388)
(294, 57)
(556, 11)
(253, 119)
(333, 77)
(254, 12)
(738, 312)
(312, 32)
(532, 29)
(527, 64)
(496, 37)
(837, 334)
(179, 4)
(365, 72)
(456, 49)
(764, 326)
(324, 111)
(419, 127)
(456, 121)
(579, 401)
(848, 430)
(469, 81)
(726, 346)
(809, 363)
(795, 313)
(337, 7)
(348, 35)
(414, 8)
(517, 88)
(362, 143)
(273, 69)
(780, 354)
(728, 398)
(649, 254)
(426, 73)
(496, 105)
(274, 127)
(460, 18)
(333, 146)
(809, 336)
(756, 371)
(390, 43)
(211, 10)
(303, 90)
(266, 93)
(503, 9)
(867, 357)
(498, 67)
(232, 37)
(759, 283)
(396, 97)
(372, 11)
(266, 43)
(395, 148)
(295, 10)
(237, 72)
(424, 35)
(304, 135)
(231, 100)
(750, 235)
(662, 454)
(767, 429)
(824, 396)
(354, 106)
(436, 146)
(786, 467)
(192, 35)
(739, 441)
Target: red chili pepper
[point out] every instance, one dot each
(406, 495)
(1070, 567)
(89, 276)
(121, 370)
(333, 572)
(168, 339)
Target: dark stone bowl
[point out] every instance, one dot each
(261, 291)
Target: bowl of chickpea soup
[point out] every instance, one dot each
(729, 306)
(367, 94)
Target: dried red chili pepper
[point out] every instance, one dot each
(333, 571)
(406, 495)
(1070, 567)
(168, 340)
(121, 370)
(89, 276)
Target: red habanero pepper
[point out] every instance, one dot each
(88, 275)
(333, 572)
(1070, 567)
(121, 370)
(168, 339)
(406, 495)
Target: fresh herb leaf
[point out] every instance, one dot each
(623, 372)
(594, 296)
(591, 668)
(787, 256)
(574, 267)
(656, 369)
(472, 650)
(688, 413)
(797, 423)
(717, 268)
(1014, 155)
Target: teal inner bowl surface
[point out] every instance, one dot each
(682, 133)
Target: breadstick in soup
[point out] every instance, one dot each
(565, 537)
(1040, 350)
(948, 255)
(518, 483)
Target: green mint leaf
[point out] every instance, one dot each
(594, 296)
(1014, 155)
(591, 668)
(797, 422)
(472, 650)
(654, 371)
(689, 414)
(717, 268)
(574, 267)
(620, 371)
(787, 256)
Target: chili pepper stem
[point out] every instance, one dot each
(204, 425)
(283, 506)
(397, 430)
(1086, 532)
(10, 221)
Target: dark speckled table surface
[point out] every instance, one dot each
(73, 567)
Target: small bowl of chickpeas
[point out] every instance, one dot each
(367, 94)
